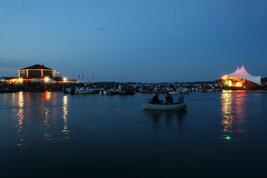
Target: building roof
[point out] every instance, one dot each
(243, 74)
(37, 66)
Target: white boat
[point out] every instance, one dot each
(165, 107)
(84, 90)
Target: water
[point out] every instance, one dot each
(55, 135)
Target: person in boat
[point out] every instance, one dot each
(168, 99)
(181, 99)
(155, 99)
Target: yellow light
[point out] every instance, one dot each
(65, 79)
(239, 84)
(46, 79)
(20, 80)
(224, 77)
(230, 83)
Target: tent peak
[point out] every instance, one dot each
(242, 73)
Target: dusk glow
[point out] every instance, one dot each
(152, 40)
(133, 88)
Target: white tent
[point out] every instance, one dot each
(243, 74)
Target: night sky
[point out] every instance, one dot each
(135, 40)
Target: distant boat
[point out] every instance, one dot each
(87, 91)
(81, 91)
(116, 92)
(165, 107)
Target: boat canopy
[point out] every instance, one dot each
(241, 73)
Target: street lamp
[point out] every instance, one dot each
(65, 79)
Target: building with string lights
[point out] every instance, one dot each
(36, 74)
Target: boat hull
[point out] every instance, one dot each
(164, 107)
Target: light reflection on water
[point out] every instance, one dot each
(44, 109)
(20, 114)
(233, 104)
(91, 132)
(50, 110)
(47, 134)
(65, 116)
(46, 97)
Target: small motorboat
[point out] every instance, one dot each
(165, 107)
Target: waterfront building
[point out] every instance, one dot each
(36, 74)
(241, 79)
(37, 71)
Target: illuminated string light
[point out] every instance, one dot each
(20, 80)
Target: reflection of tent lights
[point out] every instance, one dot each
(228, 137)
(227, 114)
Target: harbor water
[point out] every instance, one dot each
(48, 134)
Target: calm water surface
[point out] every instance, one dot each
(55, 135)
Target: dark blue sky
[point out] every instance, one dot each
(135, 40)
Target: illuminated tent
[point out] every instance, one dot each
(241, 74)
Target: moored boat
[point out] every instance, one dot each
(116, 92)
(81, 91)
